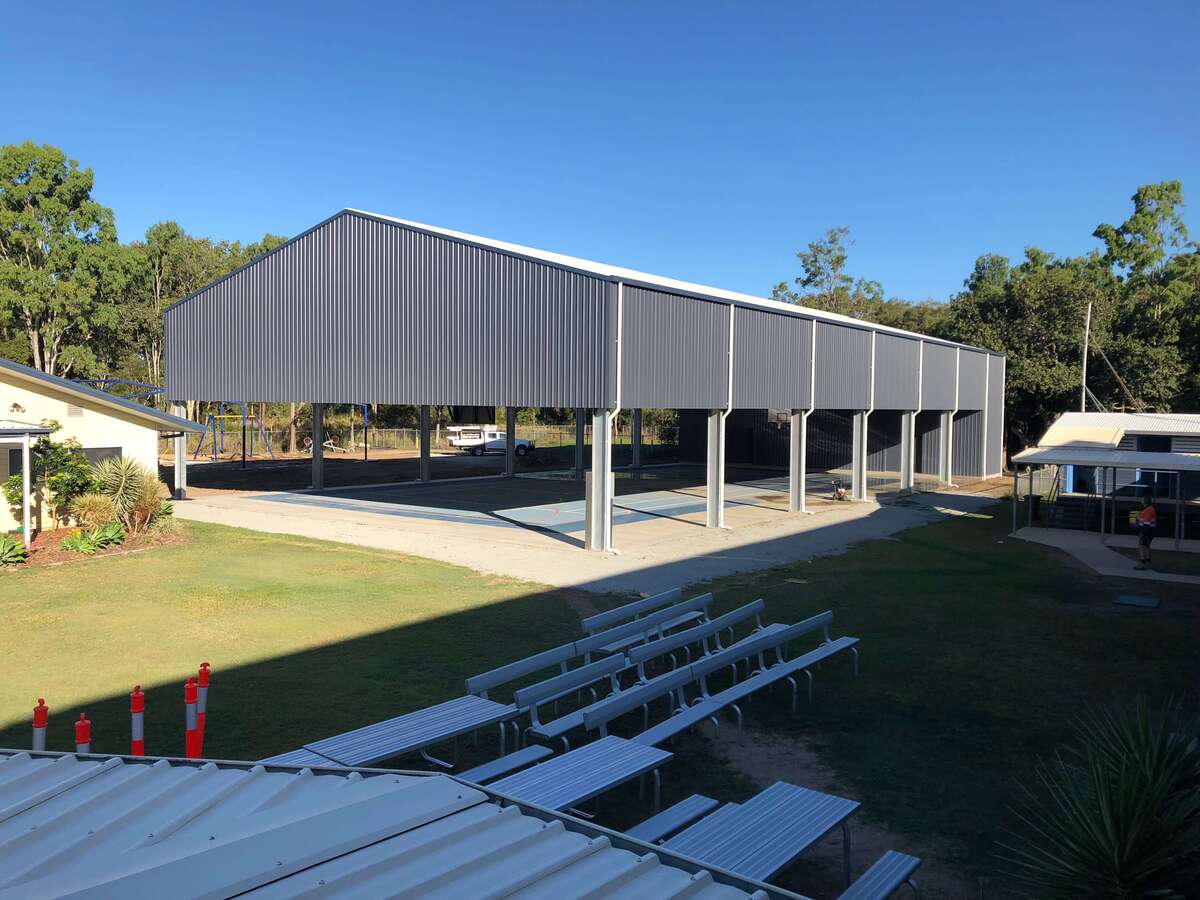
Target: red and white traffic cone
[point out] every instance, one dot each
(137, 725)
(83, 735)
(41, 715)
(191, 744)
(201, 705)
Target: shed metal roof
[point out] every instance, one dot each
(1120, 459)
(161, 420)
(97, 826)
(1107, 428)
(14, 428)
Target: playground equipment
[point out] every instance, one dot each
(141, 389)
(214, 431)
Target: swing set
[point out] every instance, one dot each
(214, 431)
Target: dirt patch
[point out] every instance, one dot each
(767, 757)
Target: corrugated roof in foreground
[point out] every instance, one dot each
(1120, 459)
(117, 827)
(1110, 427)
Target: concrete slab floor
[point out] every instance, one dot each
(1093, 551)
(659, 534)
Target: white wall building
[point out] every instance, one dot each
(104, 424)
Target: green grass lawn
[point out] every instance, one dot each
(977, 652)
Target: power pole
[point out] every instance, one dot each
(1087, 328)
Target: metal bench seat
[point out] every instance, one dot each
(639, 630)
(621, 644)
(555, 688)
(414, 731)
(681, 721)
(633, 610)
(506, 765)
(673, 818)
(300, 757)
(884, 877)
(699, 634)
(767, 832)
(576, 777)
(785, 670)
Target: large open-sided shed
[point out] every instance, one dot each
(364, 308)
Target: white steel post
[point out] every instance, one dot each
(858, 458)
(716, 469)
(26, 487)
(318, 446)
(424, 440)
(510, 441)
(635, 438)
(908, 443)
(600, 483)
(181, 461)
(945, 446)
(797, 459)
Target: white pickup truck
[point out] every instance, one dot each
(480, 439)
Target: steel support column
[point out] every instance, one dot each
(510, 441)
(318, 447)
(26, 487)
(424, 440)
(946, 447)
(580, 440)
(858, 458)
(715, 517)
(180, 490)
(635, 438)
(599, 484)
(1016, 491)
(908, 451)
(797, 459)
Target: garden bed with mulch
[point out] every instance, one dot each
(46, 548)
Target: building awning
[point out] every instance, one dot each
(14, 430)
(78, 826)
(1103, 458)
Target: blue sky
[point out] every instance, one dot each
(705, 141)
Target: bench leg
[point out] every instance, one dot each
(657, 790)
(808, 675)
(645, 716)
(738, 713)
(854, 650)
(913, 886)
(503, 738)
(566, 744)
(792, 682)
(518, 743)
(846, 851)
(450, 765)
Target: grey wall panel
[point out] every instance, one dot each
(928, 428)
(360, 310)
(843, 367)
(884, 440)
(968, 444)
(972, 379)
(674, 351)
(995, 415)
(896, 372)
(771, 366)
(937, 377)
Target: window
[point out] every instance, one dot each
(97, 454)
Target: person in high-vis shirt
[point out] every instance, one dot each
(1147, 521)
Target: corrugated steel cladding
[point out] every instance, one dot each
(364, 310)
(967, 453)
(771, 362)
(843, 367)
(896, 365)
(972, 379)
(674, 352)
(937, 377)
(995, 415)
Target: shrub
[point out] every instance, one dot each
(12, 551)
(1117, 813)
(133, 489)
(93, 510)
(93, 539)
(61, 468)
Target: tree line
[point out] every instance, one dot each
(1142, 283)
(76, 302)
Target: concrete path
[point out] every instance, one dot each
(1095, 552)
(656, 552)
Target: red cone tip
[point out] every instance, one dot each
(204, 674)
(137, 700)
(41, 713)
(83, 730)
(189, 691)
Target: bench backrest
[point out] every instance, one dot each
(485, 681)
(527, 697)
(630, 610)
(606, 710)
(695, 634)
(644, 625)
(756, 645)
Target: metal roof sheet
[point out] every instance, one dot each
(14, 428)
(1122, 422)
(119, 827)
(1121, 459)
(164, 421)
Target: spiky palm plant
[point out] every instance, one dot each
(1116, 814)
